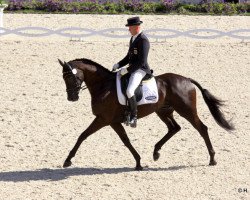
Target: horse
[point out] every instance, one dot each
(176, 93)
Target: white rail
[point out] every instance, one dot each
(2, 6)
(243, 34)
(1, 17)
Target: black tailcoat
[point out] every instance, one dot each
(137, 56)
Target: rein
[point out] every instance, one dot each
(77, 80)
(85, 86)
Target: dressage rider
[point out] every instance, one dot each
(136, 59)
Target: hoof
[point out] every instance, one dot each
(133, 126)
(156, 156)
(139, 168)
(212, 163)
(67, 164)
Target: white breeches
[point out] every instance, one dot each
(134, 82)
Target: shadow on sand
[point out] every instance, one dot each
(61, 174)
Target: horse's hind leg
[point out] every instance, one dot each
(189, 112)
(173, 128)
(118, 128)
(202, 129)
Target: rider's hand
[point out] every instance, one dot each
(123, 71)
(115, 67)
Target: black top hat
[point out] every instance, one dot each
(133, 21)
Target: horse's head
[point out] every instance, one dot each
(73, 78)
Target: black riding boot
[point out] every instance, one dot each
(133, 108)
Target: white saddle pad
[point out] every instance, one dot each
(149, 89)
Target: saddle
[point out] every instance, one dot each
(138, 91)
(146, 93)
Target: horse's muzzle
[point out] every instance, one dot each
(73, 98)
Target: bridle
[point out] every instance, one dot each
(78, 86)
(78, 81)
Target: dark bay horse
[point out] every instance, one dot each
(176, 93)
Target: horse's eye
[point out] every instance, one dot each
(74, 71)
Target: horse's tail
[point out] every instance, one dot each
(214, 105)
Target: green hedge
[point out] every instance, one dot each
(126, 7)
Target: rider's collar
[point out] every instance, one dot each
(135, 36)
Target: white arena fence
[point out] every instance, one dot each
(160, 33)
(1, 16)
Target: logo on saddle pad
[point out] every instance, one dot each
(150, 98)
(146, 93)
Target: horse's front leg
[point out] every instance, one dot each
(93, 127)
(118, 128)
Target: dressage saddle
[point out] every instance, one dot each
(138, 91)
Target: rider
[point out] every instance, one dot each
(138, 67)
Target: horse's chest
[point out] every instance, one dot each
(99, 102)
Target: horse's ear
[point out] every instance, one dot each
(61, 63)
(68, 65)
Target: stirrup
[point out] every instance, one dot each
(127, 118)
(133, 122)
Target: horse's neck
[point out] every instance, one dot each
(95, 77)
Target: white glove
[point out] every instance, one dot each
(115, 67)
(123, 71)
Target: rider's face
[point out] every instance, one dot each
(134, 29)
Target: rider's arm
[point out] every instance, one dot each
(124, 61)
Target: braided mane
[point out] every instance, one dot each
(90, 62)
